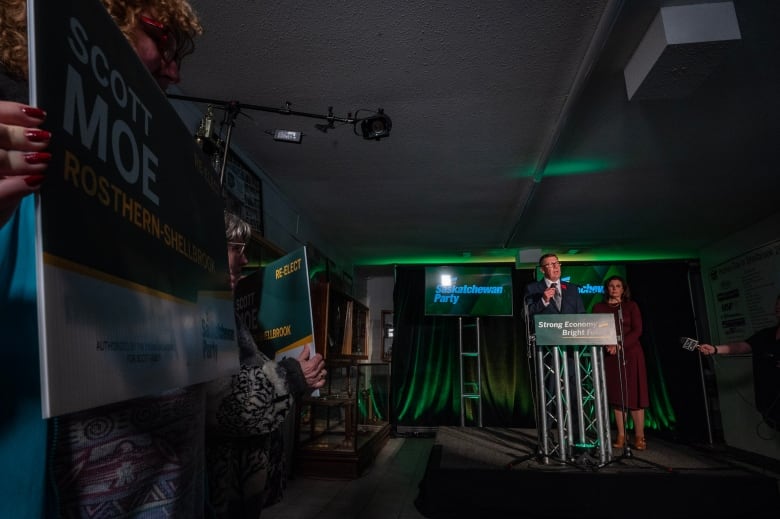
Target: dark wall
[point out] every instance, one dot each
(669, 294)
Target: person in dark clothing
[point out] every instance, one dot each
(765, 347)
(550, 295)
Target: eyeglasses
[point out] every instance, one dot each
(163, 37)
(551, 264)
(237, 246)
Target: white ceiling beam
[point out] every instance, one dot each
(683, 44)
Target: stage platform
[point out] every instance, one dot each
(495, 472)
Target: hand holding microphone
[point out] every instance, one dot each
(549, 293)
(707, 349)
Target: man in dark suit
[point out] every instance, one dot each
(551, 296)
(541, 295)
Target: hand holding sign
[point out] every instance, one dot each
(313, 368)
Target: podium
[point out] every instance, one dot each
(571, 404)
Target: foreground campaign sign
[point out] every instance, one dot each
(575, 329)
(132, 268)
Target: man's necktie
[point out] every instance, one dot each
(557, 296)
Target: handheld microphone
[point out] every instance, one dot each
(689, 343)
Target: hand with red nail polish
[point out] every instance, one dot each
(23, 159)
(161, 33)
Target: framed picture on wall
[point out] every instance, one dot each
(243, 193)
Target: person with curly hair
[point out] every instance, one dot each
(145, 456)
(145, 23)
(141, 457)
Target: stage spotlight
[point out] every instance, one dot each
(376, 126)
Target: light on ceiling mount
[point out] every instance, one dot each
(374, 127)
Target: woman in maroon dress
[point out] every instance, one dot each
(624, 363)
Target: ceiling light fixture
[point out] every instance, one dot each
(288, 136)
(374, 127)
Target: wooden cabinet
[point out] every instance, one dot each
(341, 324)
(340, 431)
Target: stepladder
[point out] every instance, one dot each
(469, 346)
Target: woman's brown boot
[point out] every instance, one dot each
(620, 441)
(640, 444)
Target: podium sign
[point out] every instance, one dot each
(575, 329)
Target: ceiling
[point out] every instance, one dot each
(512, 130)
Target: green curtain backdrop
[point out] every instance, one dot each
(425, 380)
(426, 364)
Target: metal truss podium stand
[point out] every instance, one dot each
(573, 423)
